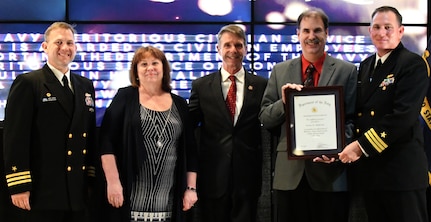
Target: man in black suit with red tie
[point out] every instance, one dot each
(230, 151)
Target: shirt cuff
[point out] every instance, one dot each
(362, 149)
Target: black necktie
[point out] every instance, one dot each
(67, 90)
(379, 64)
(309, 78)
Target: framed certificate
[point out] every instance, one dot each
(314, 122)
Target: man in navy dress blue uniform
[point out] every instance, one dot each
(49, 141)
(388, 161)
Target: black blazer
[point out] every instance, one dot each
(48, 149)
(121, 135)
(228, 155)
(387, 123)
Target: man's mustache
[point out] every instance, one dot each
(314, 41)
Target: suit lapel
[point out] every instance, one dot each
(216, 90)
(295, 72)
(249, 93)
(78, 94)
(328, 70)
(56, 89)
(378, 76)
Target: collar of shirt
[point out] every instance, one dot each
(383, 58)
(318, 65)
(240, 81)
(239, 75)
(60, 75)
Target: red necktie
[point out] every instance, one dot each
(231, 97)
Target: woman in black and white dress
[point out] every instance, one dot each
(148, 150)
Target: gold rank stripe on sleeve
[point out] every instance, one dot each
(375, 140)
(426, 112)
(14, 179)
(91, 171)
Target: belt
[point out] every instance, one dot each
(150, 216)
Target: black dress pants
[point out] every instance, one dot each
(306, 205)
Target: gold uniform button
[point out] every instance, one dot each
(83, 167)
(372, 113)
(84, 135)
(69, 168)
(359, 114)
(69, 153)
(84, 151)
(357, 130)
(70, 136)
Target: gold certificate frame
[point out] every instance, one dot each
(314, 122)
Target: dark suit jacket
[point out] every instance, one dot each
(230, 156)
(387, 123)
(47, 149)
(121, 135)
(288, 173)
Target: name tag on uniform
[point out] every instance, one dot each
(49, 98)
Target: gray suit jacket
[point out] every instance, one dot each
(288, 173)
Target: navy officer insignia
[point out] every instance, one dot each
(18, 178)
(89, 102)
(375, 140)
(390, 79)
(49, 98)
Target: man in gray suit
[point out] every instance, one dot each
(307, 190)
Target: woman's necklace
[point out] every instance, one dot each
(159, 143)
